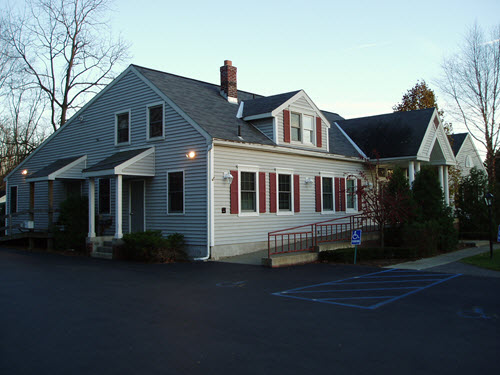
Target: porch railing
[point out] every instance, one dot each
(306, 237)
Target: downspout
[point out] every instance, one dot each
(209, 200)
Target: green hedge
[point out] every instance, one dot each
(151, 246)
(366, 253)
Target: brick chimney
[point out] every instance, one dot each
(228, 87)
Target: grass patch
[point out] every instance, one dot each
(483, 260)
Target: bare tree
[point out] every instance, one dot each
(20, 130)
(65, 48)
(471, 81)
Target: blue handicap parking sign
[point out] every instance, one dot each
(356, 237)
(498, 236)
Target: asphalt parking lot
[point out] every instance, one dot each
(74, 315)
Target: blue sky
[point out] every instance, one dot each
(354, 58)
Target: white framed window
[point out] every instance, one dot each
(175, 192)
(351, 194)
(248, 190)
(468, 162)
(327, 194)
(302, 128)
(122, 128)
(155, 121)
(296, 126)
(284, 192)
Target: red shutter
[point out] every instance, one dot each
(319, 134)
(234, 193)
(262, 192)
(342, 194)
(286, 126)
(318, 193)
(272, 192)
(296, 193)
(360, 196)
(337, 194)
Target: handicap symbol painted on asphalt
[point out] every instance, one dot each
(474, 313)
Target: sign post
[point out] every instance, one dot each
(356, 240)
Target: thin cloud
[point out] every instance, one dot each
(491, 42)
(371, 45)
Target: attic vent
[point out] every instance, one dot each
(436, 122)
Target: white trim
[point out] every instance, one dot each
(183, 192)
(332, 176)
(287, 150)
(211, 154)
(129, 112)
(55, 174)
(119, 168)
(130, 204)
(285, 171)
(356, 147)
(148, 106)
(174, 106)
(91, 186)
(258, 117)
(275, 130)
(251, 169)
(239, 114)
(303, 141)
(355, 209)
(118, 206)
(73, 118)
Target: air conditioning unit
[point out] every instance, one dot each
(28, 224)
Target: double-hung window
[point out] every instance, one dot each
(155, 121)
(285, 192)
(122, 128)
(175, 192)
(248, 189)
(327, 191)
(295, 125)
(351, 201)
(308, 128)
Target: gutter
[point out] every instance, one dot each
(210, 159)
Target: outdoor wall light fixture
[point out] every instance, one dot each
(228, 176)
(24, 172)
(309, 180)
(191, 155)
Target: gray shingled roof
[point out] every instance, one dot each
(265, 105)
(114, 160)
(54, 167)
(391, 135)
(456, 141)
(339, 144)
(203, 103)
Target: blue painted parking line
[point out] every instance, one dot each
(392, 285)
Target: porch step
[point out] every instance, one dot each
(97, 254)
(108, 243)
(105, 249)
(285, 260)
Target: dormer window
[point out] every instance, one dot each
(302, 128)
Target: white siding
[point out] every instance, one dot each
(468, 149)
(232, 229)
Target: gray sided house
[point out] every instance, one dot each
(224, 167)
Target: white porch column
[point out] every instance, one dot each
(91, 208)
(441, 177)
(446, 186)
(411, 172)
(417, 167)
(119, 208)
